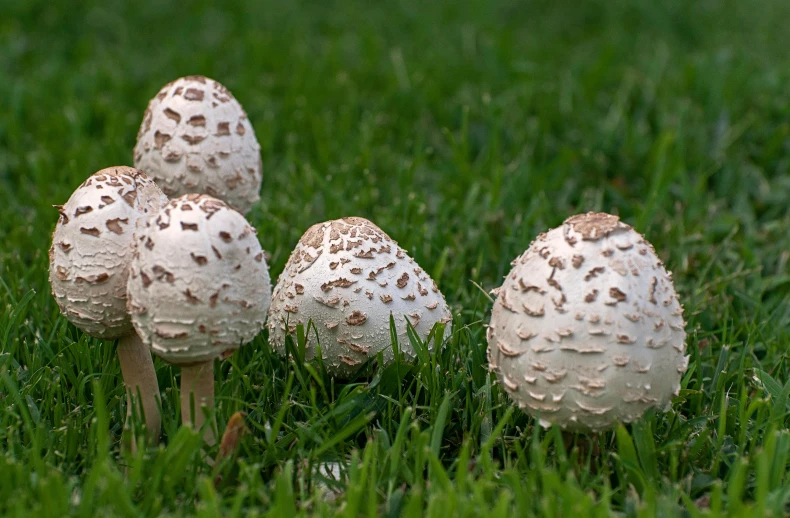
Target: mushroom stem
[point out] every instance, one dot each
(197, 388)
(142, 389)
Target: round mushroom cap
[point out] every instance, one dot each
(92, 247)
(587, 330)
(196, 138)
(348, 277)
(199, 284)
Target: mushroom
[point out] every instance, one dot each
(587, 330)
(198, 289)
(196, 138)
(347, 276)
(88, 266)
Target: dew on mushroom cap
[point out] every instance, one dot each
(587, 330)
(347, 276)
(196, 138)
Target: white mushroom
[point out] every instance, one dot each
(347, 276)
(196, 138)
(587, 330)
(89, 264)
(199, 288)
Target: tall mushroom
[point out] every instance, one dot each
(196, 138)
(587, 330)
(88, 266)
(347, 276)
(198, 289)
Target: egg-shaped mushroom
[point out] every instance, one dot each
(587, 330)
(196, 138)
(198, 289)
(92, 247)
(348, 277)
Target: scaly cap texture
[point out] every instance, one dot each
(196, 138)
(587, 330)
(199, 284)
(92, 246)
(347, 276)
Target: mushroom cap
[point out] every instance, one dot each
(195, 137)
(92, 247)
(199, 284)
(587, 330)
(347, 276)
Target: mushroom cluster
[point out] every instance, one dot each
(92, 247)
(587, 330)
(347, 277)
(198, 289)
(196, 138)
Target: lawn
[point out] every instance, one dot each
(463, 129)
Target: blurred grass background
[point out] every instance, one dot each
(463, 129)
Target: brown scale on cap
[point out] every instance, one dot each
(612, 320)
(368, 278)
(594, 226)
(195, 137)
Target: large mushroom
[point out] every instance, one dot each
(347, 276)
(198, 289)
(587, 330)
(89, 264)
(196, 138)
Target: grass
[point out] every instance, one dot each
(463, 129)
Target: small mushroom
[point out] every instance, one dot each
(587, 330)
(199, 291)
(347, 276)
(196, 138)
(92, 247)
